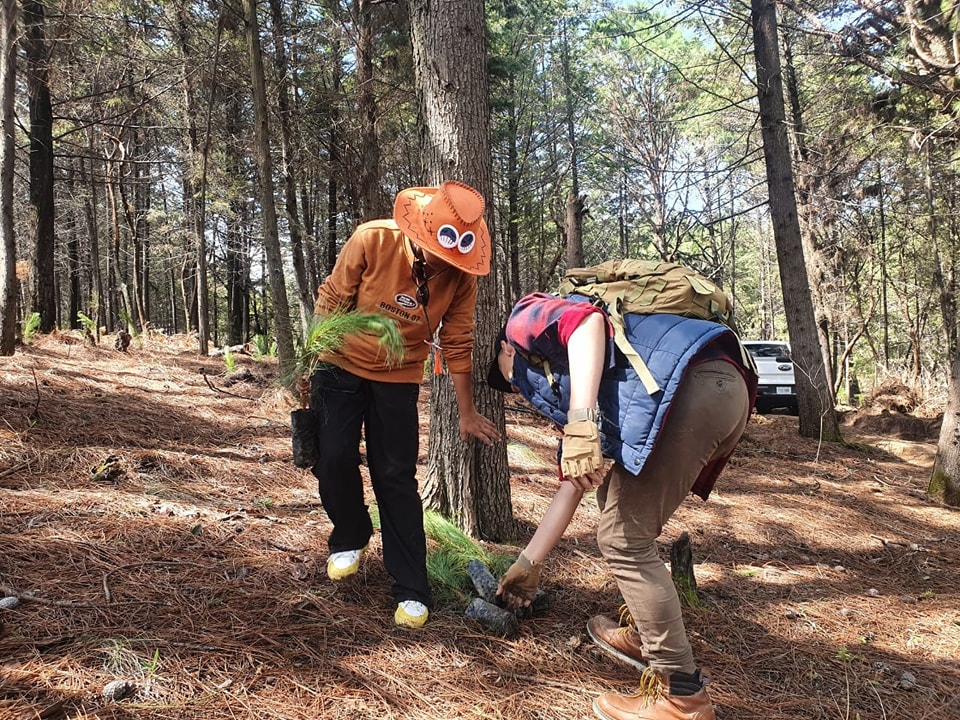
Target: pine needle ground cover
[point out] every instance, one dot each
(167, 561)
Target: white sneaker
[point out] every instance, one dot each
(342, 565)
(411, 613)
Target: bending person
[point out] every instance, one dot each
(419, 268)
(559, 354)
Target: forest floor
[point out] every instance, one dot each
(163, 547)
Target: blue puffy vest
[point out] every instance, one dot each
(631, 418)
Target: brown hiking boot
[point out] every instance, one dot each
(654, 701)
(621, 642)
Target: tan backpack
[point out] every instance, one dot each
(646, 286)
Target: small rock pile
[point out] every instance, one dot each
(489, 610)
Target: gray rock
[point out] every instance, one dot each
(118, 689)
(907, 681)
(495, 620)
(483, 580)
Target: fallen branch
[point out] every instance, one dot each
(203, 371)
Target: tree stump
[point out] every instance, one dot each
(681, 567)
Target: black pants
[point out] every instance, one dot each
(387, 413)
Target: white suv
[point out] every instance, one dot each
(777, 386)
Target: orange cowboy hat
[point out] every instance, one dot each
(447, 221)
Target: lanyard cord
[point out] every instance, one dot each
(419, 271)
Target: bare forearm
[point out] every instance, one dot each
(463, 389)
(554, 522)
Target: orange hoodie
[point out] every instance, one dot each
(374, 273)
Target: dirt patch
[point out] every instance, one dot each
(893, 423)
(158, 535)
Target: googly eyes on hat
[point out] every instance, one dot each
(449, 237)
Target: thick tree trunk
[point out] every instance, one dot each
(945, 481)
(574, 224)
(811, 214)
(470, 481)
(8, 242)
(818, 416)
(43, 295)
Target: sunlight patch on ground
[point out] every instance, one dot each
(916, 453)
(520, 455)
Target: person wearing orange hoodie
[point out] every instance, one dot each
(419, 268)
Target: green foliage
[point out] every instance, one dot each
(229, 361)
(327, 333)
(88, 325)
(449, 552)
(153, 664)
(263, 347)
(128, 323)
(687, 592)
(844, 655)
(30, 327)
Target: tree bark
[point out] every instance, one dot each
(369, 192)
(575, 202)
(945, 481)
(8, 241)
(810, 214)
(818, 418)
(43, 295)
(194, 264)
(469, 482)
(286, 117)
(97, 306)
(73, 259)
(117, 278)
(271, 239)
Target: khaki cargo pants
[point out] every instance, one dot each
(705, 422)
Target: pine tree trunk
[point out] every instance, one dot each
(468, 481)
(945, 482)
(271, 239)
(818, 417)
(575, 203)
(42, 295)
(97, 306)
(368, 187)
(285, 115)
(8, 242)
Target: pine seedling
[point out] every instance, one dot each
(326, 334)
(89, 327)
(30, 327)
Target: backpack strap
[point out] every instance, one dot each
(615, 314)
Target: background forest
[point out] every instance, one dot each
(138, 195)
(186, 174)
